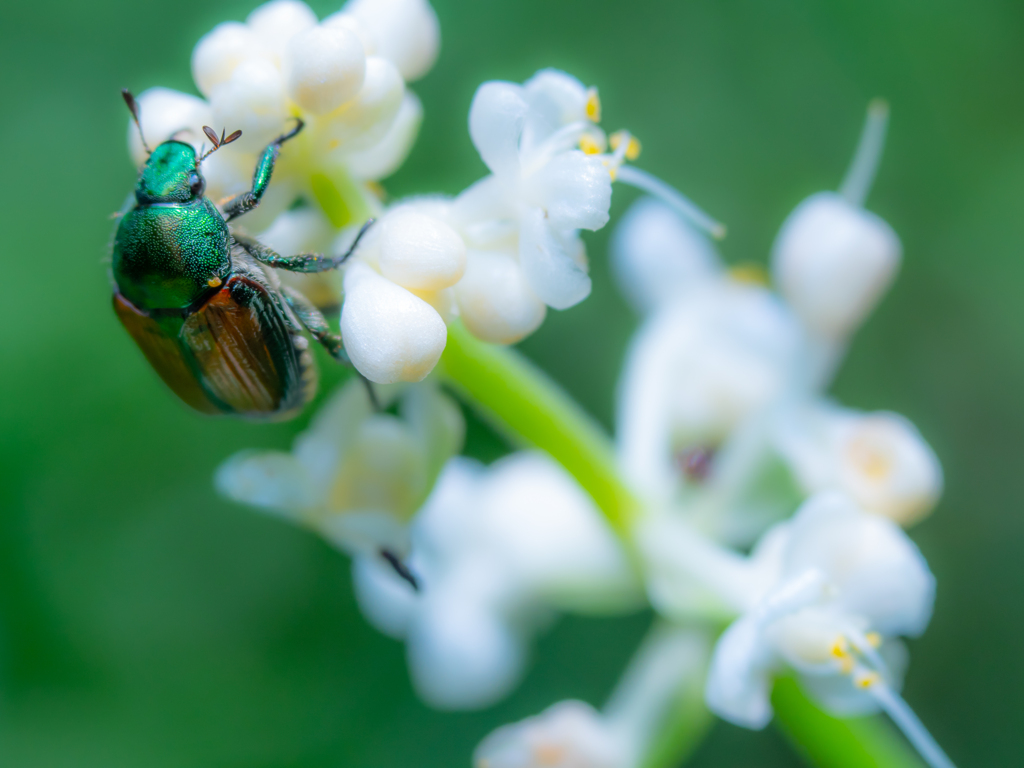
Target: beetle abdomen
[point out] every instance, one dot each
(242, 355)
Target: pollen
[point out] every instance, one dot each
(840, 648)
(593, 106)
(867, 679)
(632, 151)
(874, 639)
(589, 145)
(214, 282)
(750, 273)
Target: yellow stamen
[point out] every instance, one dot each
(333, 144)
(750, 273)
(866, 679)
(214, 282)
(589, 145)
(377, 189)
(840, 648)
(632, 151)
(846, 665)
(593, 106)
(874, 639)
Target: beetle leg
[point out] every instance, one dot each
(302, 262)
(246, 201)
(314, 321)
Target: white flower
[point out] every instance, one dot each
(657, 256)
(833, 260)
(495, 551)
(356, 475)
(540, 192)
(405, 31)
(569, 734)
(880, 460)
(848, 584)
(698, 369)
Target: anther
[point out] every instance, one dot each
(593, 106)
(874, 639)
(589, 145)
(866, 679)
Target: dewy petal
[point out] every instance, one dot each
(220, 51)
(879, 572)
(495, 122)
(463, 654)
(386, 156)
(277, 22)
(274, 481)
(738, 687)
(657, 257)
(574, 189)
(495, 302)
(553, 274)
(389, 334)
(165, 113)
(387, 601)
(324, 67)
(405, 31)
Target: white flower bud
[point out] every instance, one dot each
(324, 67)
(389, 334)
(405, 31)
(165, 113)
(277, 22)
(347, 21)
(360, 123)
(879, 459)
(252, 100)
(569, 734)
(495, 302)
(833, 262)
(219, 52)
(420, 252)
(387, 155)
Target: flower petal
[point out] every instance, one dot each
(273, 481)
(386, 156)
(164, 113)
(557, 279)
(495, 302)
(324, 68)
(738, 687)
(389, 334)
(405, 31)
(387, 601)
(574, 189)
(495, 122)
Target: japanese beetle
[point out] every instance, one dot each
(220, 329)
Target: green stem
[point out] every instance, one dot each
(521, 401)
(858, 742)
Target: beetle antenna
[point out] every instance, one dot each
(133, 107)
(217, 141)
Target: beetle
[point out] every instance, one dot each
(196, 295)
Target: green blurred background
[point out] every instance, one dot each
(145, 622)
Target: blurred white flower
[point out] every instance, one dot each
(833, 260)
(344, 77)
(495, 550)
(356, 475)
(700, 366)
(847, 585)
(880, 460)
(569, 734)
(658, 257)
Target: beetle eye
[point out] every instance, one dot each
(197, 184)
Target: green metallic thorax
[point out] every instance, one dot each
(174, 241)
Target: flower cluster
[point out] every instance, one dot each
(760, 504)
